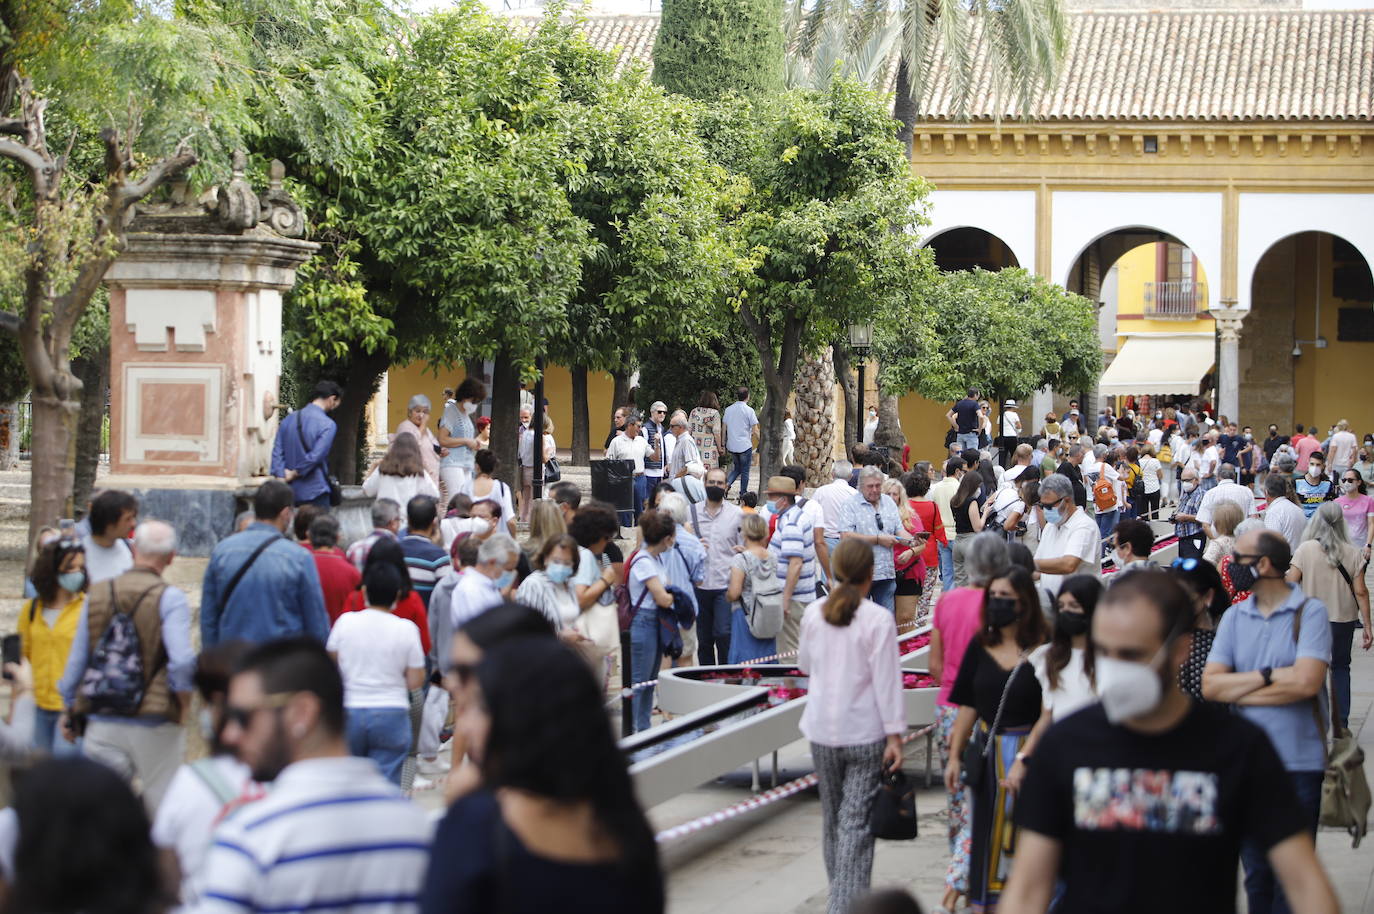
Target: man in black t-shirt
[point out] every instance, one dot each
(965, 417)
(1140, 803)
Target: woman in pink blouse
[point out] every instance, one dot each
(957, 617)
(854, 715)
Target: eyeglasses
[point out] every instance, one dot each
(1051, 504)
(1184, 564)
(244, 716)
(1240, 557)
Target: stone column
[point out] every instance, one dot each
(195, 352)
(1228, 321)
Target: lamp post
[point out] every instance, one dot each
(860, 343)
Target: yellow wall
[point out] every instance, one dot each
(1328, 384)
(418, 378)
(925, 425)
(1134, 269)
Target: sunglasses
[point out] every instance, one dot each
(1181, 564)
(243, 717)
(1245, 558)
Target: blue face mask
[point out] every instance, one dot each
(505, 580)
(1053, 515)
(72, 581)
(558, 572)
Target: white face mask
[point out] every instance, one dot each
(1349, 488)
(1189, 486)
(469, 407)
(1128, 689)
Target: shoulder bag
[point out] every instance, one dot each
(974, 759)
(624, 606)
(894, 808)
(335, 489)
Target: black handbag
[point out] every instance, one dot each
(552, 471)
(974, 760)
(894, 808)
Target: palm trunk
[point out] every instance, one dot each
(581, 420)
(839, 354)
(814, 412)
(620, 388)
(94, 372)
(505, 420)
(904, 107)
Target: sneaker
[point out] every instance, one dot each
(421, 784)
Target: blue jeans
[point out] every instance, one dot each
(946, 553)
(1106, 523)
(967, 441)
(1342, 636)
(1262, 889)
(47, 737)
(743, 461)
(319, 501)
(713, 627)
(641, 496)
(644, 660)
(381, 734)
(884, 593)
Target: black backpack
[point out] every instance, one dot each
(115, 681)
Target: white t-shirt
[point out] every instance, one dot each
(1211, 461)
(870, 429)
(375, 649)
(1149, 471)
(1074, 693)
(1011, 423)
(1078, 536)
(633, 449)
(499, 493)
(1343, 445)
(106, 562)
(188, 814)
(400, 489)
(1156, 436)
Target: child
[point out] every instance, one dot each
(749, 501)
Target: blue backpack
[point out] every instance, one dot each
(114, 681)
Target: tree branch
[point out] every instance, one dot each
(159, 173)
(38, 165)
(762, 341)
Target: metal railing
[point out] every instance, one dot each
(1180, 300)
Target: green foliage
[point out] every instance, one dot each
(710, 48)
(676, 372)
(1009, 332)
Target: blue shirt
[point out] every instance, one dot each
(1189, 503)
(1311, 494)
(1247, 641)
(175, 612)
(858, 515)
(685, 563)
(458, 425)
(278, 597)
(739, 421)
(312, 475)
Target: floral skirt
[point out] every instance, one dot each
(960, 828)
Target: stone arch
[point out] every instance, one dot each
(1267, 219)
(964, 247)
(1008, 215)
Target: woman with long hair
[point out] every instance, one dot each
(703, 424)
(554, 824)
(547, 450)
(998, 695)
(970, 516)
(917, 486)
(954, 624)
(546, 520)
(1330, 568)
(47, 626)
(400, 475)
(908, 561)
(85, 844)
(1064, 666)
(854, 715)
(486, 487)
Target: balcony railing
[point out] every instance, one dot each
(1175, 301)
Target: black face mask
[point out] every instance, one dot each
(1243, 577)
(1001, 611)
(1072, 624)
(715, 493)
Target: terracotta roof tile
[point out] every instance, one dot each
(1235, 65)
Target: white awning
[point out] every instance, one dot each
(1159, 364)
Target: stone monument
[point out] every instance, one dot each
(195, 350)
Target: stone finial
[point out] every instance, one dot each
(238, 204)
(279, 211)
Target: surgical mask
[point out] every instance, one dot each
(1243, 577)
(715, 493)
(1347, 487)
(1189, 486)
(558, 572)
(1053, 515)
(1072, 624)
(1315, 471)
(505, 580)
(72, 581)
(469, 407)
(1249, 438)
(1128, 689)
(1001, 611)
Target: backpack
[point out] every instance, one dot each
(1166, 453)
(766, 610)
(1104, 494)
(1136, 485)
(115, 681)
(625, 608)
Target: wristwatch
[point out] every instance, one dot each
(1023, 757)
(1268, 674)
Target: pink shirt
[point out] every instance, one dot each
(1306, 447)
(1357, 509)
(855, 690)
(957, 617)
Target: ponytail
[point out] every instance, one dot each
(851, 565)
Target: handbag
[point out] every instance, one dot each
(894, 808)
(624, 607)
(335, 489)
(552, 471)
(974, 760)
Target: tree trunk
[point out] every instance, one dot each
(581, 421)
(94, 372)
(813, 409)
(620, 389)
(889, 431)
(9, 436)
(53, 457)
(505, 420)
(904, 107)
(361, 384)
(839, 352)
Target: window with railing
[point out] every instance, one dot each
(1182, 299)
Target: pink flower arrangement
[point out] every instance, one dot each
(914, 643)
(919, 681)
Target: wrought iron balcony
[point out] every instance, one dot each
(1175, 301)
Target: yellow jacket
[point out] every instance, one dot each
(47, 648)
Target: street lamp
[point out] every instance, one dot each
(860, 343)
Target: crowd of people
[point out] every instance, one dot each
(1088, 711)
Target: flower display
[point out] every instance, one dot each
(914, 643)
(919, 681)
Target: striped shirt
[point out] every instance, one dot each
(795, 537)
(333, 835)
(426, 562)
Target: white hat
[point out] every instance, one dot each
(1011, 404)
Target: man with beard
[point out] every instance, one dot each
(333, 833)
(1142, 803)
(718, 527)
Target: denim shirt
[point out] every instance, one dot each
(859, 516)
(312, 479)
(280, 595)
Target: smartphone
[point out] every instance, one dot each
(9, 653)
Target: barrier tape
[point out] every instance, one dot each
(758, 801)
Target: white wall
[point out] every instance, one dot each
(1008, 214)
(1266, 219)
